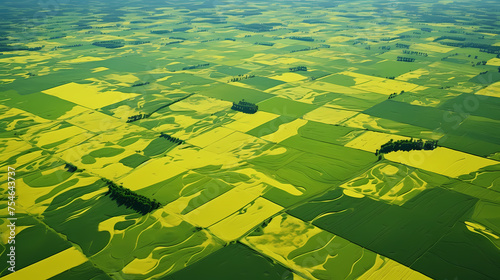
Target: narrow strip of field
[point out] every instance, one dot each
(50, 266)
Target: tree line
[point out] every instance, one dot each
(130, 199)
(196, 66)
(110, 44)
(405, 59)
(415, 53)
(140, 84)
(406, 145)
(264, 44)
(392, 95)
(171, 138)
(241, 78)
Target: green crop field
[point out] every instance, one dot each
(297, 140)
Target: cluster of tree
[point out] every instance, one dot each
(479, 63)
(392, 95)
(454, 38)
(240, 78)
(484, 30)
(177, 38)
(406, 145)
(230, 39)
(164, 31)
(482, 47)
(9, 48)
(307, 39)
(57, 37)
(245, 107)
(140, 84)
(402, 46)
(258, 27)
(111, 44)
(388, 39)
(264, 44)
(173, 42)
(181, 29)
(138, 42)
(70, 167)
(426, 29)
(196, 66)
(66, 47)
(405, 59)
(298, 68)
(171, 139)
(387, 48)
(130, 199)
(415, 53)
(211, 40)
(137, 117)
(310, 49)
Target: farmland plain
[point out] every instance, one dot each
(141, 93)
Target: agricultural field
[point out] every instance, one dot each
(273, 140)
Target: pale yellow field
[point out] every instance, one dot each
(263, 178)
(364, 121)
(443, 161)
(387, 269)
(192, 158)
(28, 201)
(30, 57)
(210, 137)
(246, 122)
(179, 121)
(266, 59)
(484, 231)
(494, 62)
(50, 137)
(11, 112)
(73, 112)
(87, 95)
(302, 94)
(239, 223)
(285, 234)
(96, 122)
(412, 75)
(433, 47)
(338, 39)
(285, 131)
(371, 141)
(99, 69)
(220, 207)
(152, 172)
(404, 190)
(289, 77)
(236, 141)
(381, 85)
(81, 59)
(491, 90)
(201, 104)
(318, 85)
(50, 266)
(329, 115)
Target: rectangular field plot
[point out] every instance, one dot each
(87, 95)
